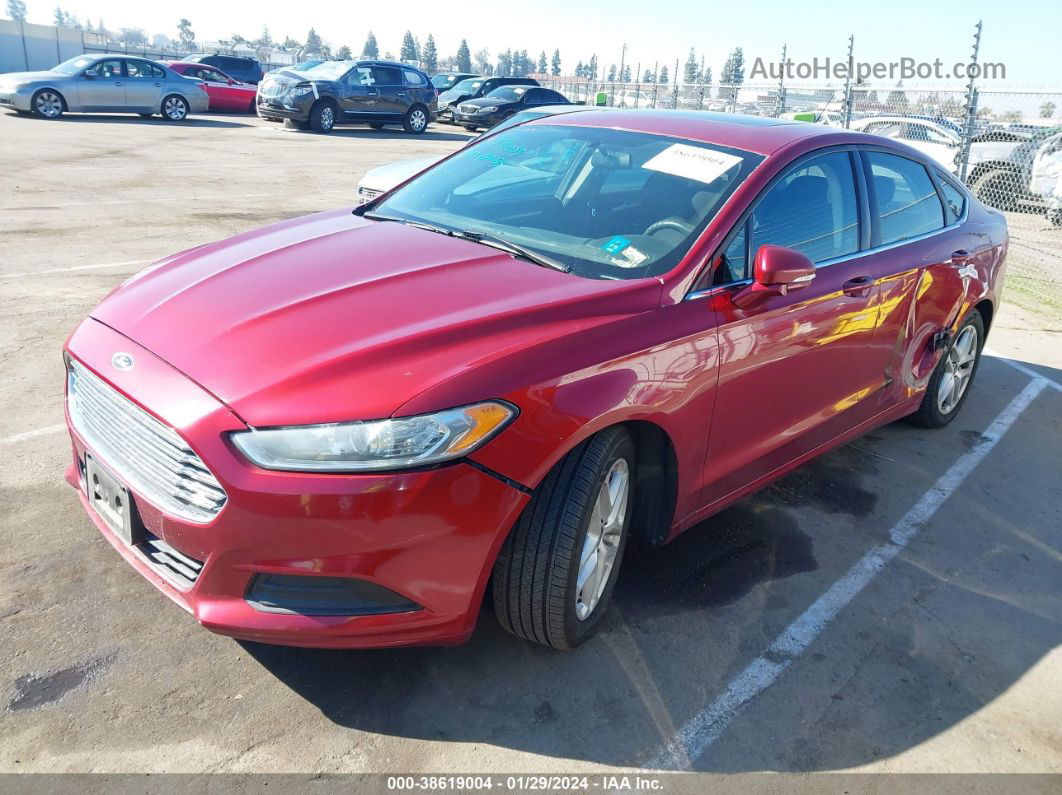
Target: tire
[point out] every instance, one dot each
(175, 108)
(469, 127)
(253, 107)
(295, 124)
(943, 399)
(998, 188)
(48, 104)
(536, 576)
(323, 117)
(416, 120)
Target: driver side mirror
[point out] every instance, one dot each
(88, 74)
(776, 271)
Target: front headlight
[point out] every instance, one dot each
(488, 109)
(376, 445)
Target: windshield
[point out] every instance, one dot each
(468, 86)
(75, 65)
(608, 204)
(329, 70)
(304, 65)
(512, 121)
(508, 93)
(443, 82)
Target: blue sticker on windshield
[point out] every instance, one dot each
(616, 245)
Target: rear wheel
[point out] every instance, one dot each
(175, 108)
(323, 117)
(556, 571)
(950, 383)
(416, 120)
(47, 104)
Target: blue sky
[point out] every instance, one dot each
(1023, 35)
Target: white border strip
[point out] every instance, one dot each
(693, 739)
(100, 266)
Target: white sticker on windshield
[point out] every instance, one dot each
(692, 162)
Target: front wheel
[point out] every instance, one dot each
(175, 108)
(554, 575)
(416, 120)
(323, 117)
(47, 104)
(950, 383)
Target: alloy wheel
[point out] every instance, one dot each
(49, 104)
(417, 120)
(958, 367)
(175, 109)
(328, 117)
(603, 535)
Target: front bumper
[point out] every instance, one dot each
(280, 108)
(429, 537)
(15, 100)
(476, 119)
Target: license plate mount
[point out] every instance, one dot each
(111, 501)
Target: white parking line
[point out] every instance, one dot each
(99, 266)
(1022, 368)
(21, 437)
(693, 739)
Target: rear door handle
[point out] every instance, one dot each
(859, 287)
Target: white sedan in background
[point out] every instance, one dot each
(381, 179)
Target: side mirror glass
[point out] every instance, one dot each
(777, 270)
(89, 75)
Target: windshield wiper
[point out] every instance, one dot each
(493, 241)
(416, 224)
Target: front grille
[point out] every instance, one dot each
(148, 456)
(468, 110)
(175, 566)
(274, 88)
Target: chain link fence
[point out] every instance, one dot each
(1006, 146)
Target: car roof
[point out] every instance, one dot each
(757, 134)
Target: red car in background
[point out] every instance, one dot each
(341, 430)
(225, 93)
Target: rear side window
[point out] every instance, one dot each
(812, 209)
(386, 76)
(143, 69)
(552, 97)
(414, 78)
(908, 205)
(954, 199)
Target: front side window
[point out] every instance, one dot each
(605, 203)
(360, 76)
(908, 205)
(107, 69)
(812, 209)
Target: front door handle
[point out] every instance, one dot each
(859, 287)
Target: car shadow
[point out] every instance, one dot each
(687, 617)
(107, 118)
(396, 132)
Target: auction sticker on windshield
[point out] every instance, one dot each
(692, 162)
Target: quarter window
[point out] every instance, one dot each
(908, 204)
(812, 209)
(413, 78)
(954, 200)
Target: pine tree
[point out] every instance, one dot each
(734, 68)
(265, 40)
(542, 65)
(505, 64)
(706, 76)
(611, 78)
(580, 70)
(409, 48)
(663, 74)
(16, 9)
(371, 48)
(483, 61)
(430, 55)
(343, 53)
(314, 45)
(591, 68)
(556, 62)
(59, 18)
(626, 76)
(648, 76)
(692, 71)
(464, 57)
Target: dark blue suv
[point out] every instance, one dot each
(349, 92)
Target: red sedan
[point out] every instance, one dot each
(339, 429)
(226, 93)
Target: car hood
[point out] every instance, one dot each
(482, 102)
(22, 77)
(332, 317)
(386, 177)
